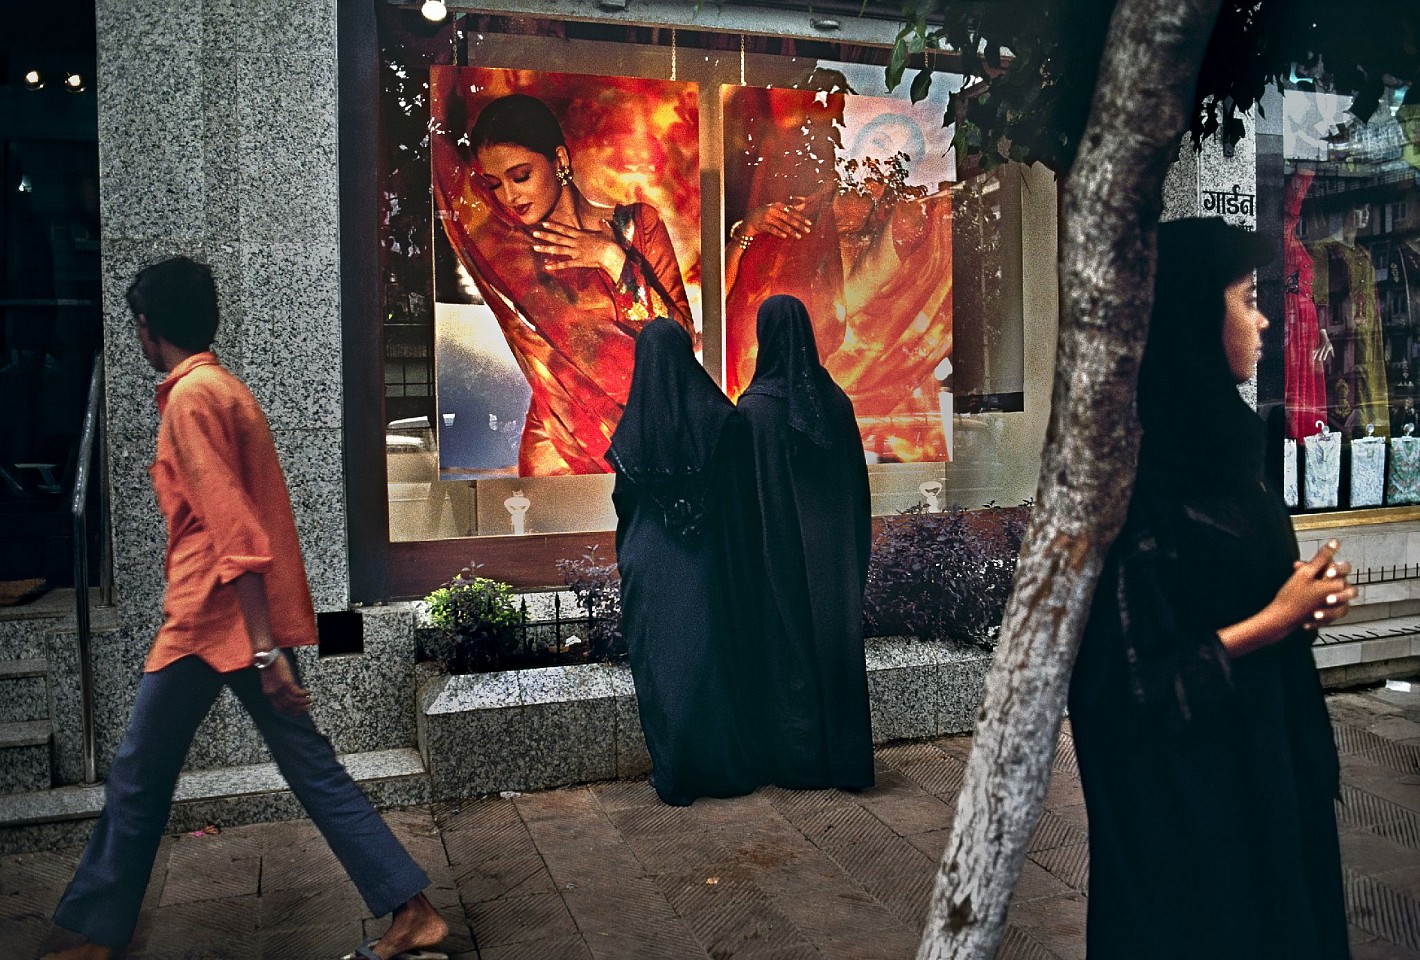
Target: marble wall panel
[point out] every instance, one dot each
(320, 524)
(1196, 172)
(366, 702)
(292, 336)
(150, 140)
(117, 668)
(1181, 184)
(222, 139)
(287, 179)
(298, 27)
(124, 25)
(227, 737)
(139, 534)
(476, 752)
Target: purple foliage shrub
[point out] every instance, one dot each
(944, 576)
(597, 587)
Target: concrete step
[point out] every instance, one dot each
(65, 816)
(24, 690)
(25, 757)
(22, 638)
(1350, 654)
(23, 629)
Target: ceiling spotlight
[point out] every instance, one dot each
(73, 82)
(33, 81)
(434, 10)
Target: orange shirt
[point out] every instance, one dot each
(221, 490)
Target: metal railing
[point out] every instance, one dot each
(1391, 574)
(93, 441)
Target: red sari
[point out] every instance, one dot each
(572, 332)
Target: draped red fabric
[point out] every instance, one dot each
(572, 332)
(1305, 377)
(875, 271)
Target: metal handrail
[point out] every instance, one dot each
(79, 507)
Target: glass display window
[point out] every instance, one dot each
(1340, 394)
(532, 221)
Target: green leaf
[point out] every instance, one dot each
(921, 85)
(896, 65)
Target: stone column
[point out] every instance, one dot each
(217, 140)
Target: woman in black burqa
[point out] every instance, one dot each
(681, 547)
(1204, 745)
(813, 516)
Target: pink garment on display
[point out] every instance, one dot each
(1305, 377)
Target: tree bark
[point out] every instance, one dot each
(1112, 202)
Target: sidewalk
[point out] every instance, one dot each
(605, 871)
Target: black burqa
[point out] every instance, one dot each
(1208, 780)
(814, 535)
(681, 480)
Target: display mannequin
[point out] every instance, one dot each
(1345, 278)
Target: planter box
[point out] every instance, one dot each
(553, 726)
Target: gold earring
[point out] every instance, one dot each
(564, 175)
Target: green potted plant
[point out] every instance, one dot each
(478, 618)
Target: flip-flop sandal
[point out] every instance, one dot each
(364, 952)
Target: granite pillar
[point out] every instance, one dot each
(217, 140)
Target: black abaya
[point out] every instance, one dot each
(811, 483)
(1208, 779)
(681, 464)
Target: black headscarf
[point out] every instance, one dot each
(671, 426)
(1199, 433)
(788, 367)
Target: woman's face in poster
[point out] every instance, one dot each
(522, 180)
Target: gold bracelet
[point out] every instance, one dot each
(738, 235)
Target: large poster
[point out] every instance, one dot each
(569, 209)
(845, 202)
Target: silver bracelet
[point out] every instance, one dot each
(265, 658)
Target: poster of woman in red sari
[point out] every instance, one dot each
(571, 205)
(844, 201)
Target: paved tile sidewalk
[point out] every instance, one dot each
(605, 871)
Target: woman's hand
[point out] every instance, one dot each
(1315, 595)
(785, 220)
(570, 247)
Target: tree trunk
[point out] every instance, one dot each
(1112, 202)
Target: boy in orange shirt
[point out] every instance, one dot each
(237, 600)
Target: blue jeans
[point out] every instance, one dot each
(104, 898)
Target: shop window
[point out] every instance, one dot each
(1342, 400)
(504, 374)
